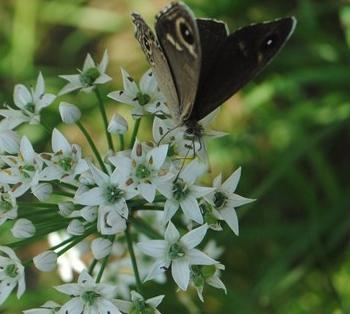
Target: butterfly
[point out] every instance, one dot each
(198, 64)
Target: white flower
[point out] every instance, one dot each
(9, 140)
(45, 261)
(110, 195)
(76, 227)
(182, 192)
(29, 103)
(23, 170)
(65, 163)
(70, 261)
(101, 247)
(145, 98)
(11, 274)
(23, 228)
(48, 307)
(144, 168)
(8, 204)
(88, 296)
(89, 77)
(139, 305)
(183, 139)
(69, 112)
(177, 252)
(224, 200)
(118, 125)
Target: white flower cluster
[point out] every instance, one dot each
(103, 202)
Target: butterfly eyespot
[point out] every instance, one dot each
(269, 42)
(186, 33)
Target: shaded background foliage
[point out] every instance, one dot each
(289, 130)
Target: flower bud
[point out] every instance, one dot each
(46, 261)
(9, 141)
(23, 228)
(75, 227)
(69, 113)
(65, 209)
(101, 247)
(117, 125)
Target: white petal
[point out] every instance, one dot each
(215, 282)
(193, 170)
(102, 79)
(6, 288)
(200, 191)
(196, 257)
(170, 208)
(27, 150)
(60, 143)
(155, 248)
(217, 181)
(104, 62)
(158, 268)
(191, 209)
(101, 247)
(42, 191)
(155, 301)
(92, 197)
(88, 63)
(236, 200)
(180, 271)
(129, 84)
(99, 176)
(106, 307)
(45, 261)
(45, 101)
(230, 216)
(148, 83)
(74, 306)
(148, 191)
(194, 237)
(122, 97)
(158, 156)
(171, 234)
(21, 96)
(231, 183)
(122, 305)
(71, 289)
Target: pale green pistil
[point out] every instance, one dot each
(27, 171)
(90, 297)
(88, 77)
(176, 251)
(11, 270)
(180, 190)
(30, 107)
(219, 199)
(66, 163)
(113, 194)
(142, 98)
(142, 172)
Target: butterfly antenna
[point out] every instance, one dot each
(166, 133)
(183, 164)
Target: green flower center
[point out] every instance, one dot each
(66, 163)
(11, 270)
(209, 217)
(89, 297)
(140, 307)
(180, 190)
(27, 171)
(88, 77)
(113, 194)
(176, 251)
(199, 274)
(5, 204)
(219, 199)
(30, 107)
(142, 172)
(142, 98)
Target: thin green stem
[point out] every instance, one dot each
(134, 132)
(133, 259)
(63, 193)
(92, 266)
(104, 263)
(31, 205)
(104, 118)
(93, 146)
(143, 227)
(121, 142)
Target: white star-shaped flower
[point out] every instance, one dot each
(23, 171)
(145, 98)
(182, 192)
(110, 194)
(144, 168)
(177, 252)
(65, 163)
(29, 103)
(48, 307)
(11, 274)
(139, 305)
(90, 76)
(88, 296)
(224, 200)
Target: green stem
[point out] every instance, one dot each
(143, 227)
(134, 132)
(121, 142)
(31, 205)
(104, 118)
(133, 260)
(92, 266)
(92, 145)
(63, 193)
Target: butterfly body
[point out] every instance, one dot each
(198, 64)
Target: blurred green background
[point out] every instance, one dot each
(289, 130)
